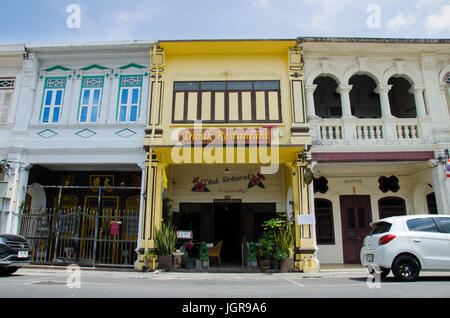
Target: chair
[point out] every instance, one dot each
(215, 251)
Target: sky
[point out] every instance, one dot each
(56, 21)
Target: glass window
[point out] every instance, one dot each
(422, 225)
(239, 85)
(46, 115)
(91, 93)
(129, 99)
(444, 223)
(124, 98)
(324, 221)
(213, 86)
(53, 99)
(267, 85)
(380, 227)
(48, 98)
(186, 86)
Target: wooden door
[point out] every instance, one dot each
(356, 216)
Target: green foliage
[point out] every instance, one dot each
(280, 232)
(280, 255)
(251, 255)
(165, 240)
(149, 255)
(204, 256)
(266, 248)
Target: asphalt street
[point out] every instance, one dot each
(67, 283)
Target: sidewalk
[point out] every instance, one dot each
(324, 268)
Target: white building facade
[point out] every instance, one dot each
(379, 116)
(11, 78)
(74, 146)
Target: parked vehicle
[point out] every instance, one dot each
(14, 253)
(407, 245)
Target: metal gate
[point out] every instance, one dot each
(85, 236)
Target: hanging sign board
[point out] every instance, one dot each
(308, 219)
(185, 235)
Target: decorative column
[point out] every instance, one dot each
(304, 246)
(383, 91)
(344, 91)
(152, 207)
(419, 101)
(310, 107)
(441, 184)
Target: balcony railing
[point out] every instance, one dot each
(355, 131)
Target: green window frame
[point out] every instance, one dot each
(129, 99)
(89, 106)
(52, 99)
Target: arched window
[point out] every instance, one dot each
(400, 99)
(391, 206)
(327, 101)
(365, 103)
(431, 203)
(324, 221)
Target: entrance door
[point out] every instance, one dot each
(228, 229)
(356, 216)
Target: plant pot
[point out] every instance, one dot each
(252, 264)
(189, 263)
(276, 265)
(205, 264)
(165, 262)
(287, 264)
(264, 264)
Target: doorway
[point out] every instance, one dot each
(356, 216)
(228, 229)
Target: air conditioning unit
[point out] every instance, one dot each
(6, 190)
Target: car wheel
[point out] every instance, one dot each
(8, 271)
(406, 268)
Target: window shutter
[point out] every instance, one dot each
(5, 105)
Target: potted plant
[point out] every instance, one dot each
(280, 231)
(278, 257)
(251, 256)
(286, 243)
(165, 241)
(204, 256)
(149, 256)
(189, 263)
(265, 251)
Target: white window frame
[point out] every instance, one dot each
(7, 86)
(90, 105)
(128, 106)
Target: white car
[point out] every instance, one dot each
(408, 244)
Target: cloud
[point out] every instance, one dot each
(440, 21)
(401, 21)
(329, 10)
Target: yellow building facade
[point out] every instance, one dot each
(227, 142)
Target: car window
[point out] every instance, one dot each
(444, 224)
(380, 227)
(422, 225)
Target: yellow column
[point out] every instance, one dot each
(152, 214)
(304, 242)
